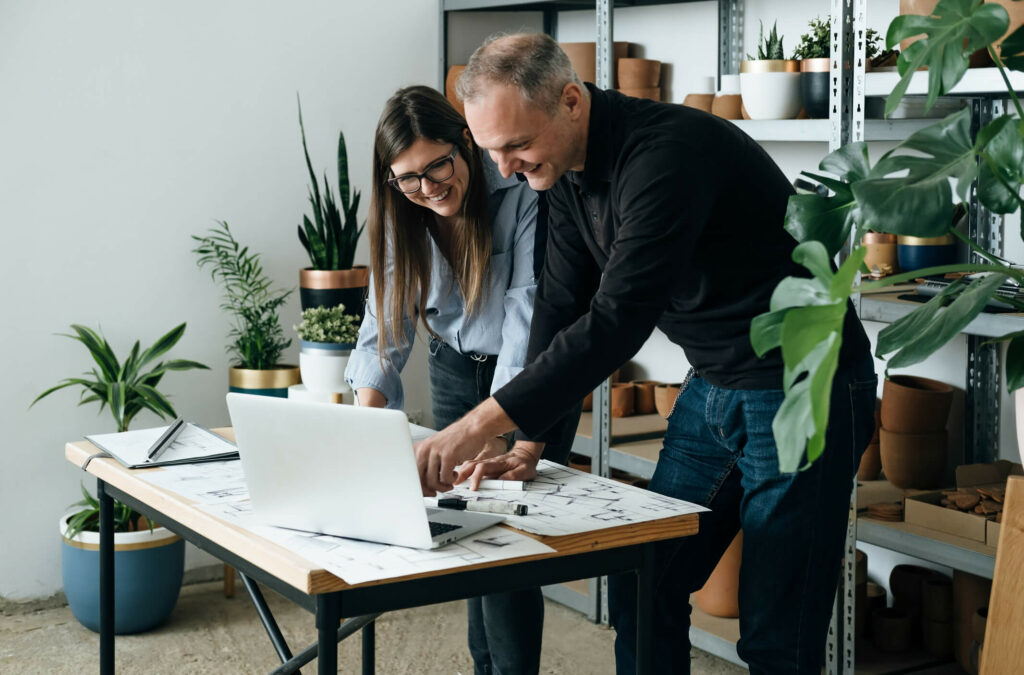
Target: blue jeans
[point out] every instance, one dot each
(504, 628)
(719, 452)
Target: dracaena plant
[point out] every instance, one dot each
(126, 387)
(910, 190)
(329, 239)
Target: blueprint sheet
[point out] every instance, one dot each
(566, 501)
(219, 489)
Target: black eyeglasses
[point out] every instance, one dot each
(438, 172)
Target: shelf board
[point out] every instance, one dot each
(634, 427)
(931, 545)
(544, 5)
(976, 82)
(818, 131)
(887, 308)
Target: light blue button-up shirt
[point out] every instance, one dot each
(501, 322)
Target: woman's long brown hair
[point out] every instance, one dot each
(399, 228)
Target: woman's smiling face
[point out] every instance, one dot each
(445, 197)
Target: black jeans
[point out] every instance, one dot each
(504, 628)
(719, 452)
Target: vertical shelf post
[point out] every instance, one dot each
(846, 118)
(730, 37)
(981, 431)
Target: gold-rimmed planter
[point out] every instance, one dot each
(148, 569)
(270, 382)
(814, 89)
(770, 88)
(330, 288)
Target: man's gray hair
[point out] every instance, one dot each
(531, 62)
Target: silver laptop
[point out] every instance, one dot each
(340, 470)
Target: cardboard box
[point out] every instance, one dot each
(926, 509)
(992, 533)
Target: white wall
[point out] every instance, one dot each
(124, 128)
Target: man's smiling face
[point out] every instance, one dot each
(523, 138)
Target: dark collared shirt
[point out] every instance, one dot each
(675, 222)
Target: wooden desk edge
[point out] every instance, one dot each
(303, 575)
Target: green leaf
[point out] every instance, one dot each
(766, 331)
(183, 364)
(918, 201)
(155, 401)
(940, 325)
(309, 164)
(1015, 363)
(955, 30)
(1001, 145)
(1012, 49)
(98, 349)
(162, 345)
(343, 186)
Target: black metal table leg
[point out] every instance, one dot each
(267, 619)
(328, 614)
(645, 610)
(369, 648)
(106, 579)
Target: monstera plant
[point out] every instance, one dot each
(910, 190)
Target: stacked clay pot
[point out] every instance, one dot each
(643, 402)
(937, 616)
(665, 397)
(583, 56)
(640, 78)
(913, 434)
(623, 399)
(913, 591)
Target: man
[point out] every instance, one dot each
(664, 216)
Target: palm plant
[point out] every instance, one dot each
(331, 245)
(257, 337)
(123, 386)
(908, 191)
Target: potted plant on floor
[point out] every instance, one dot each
(149, 560)
(328, 336)
(909, 191)
(769, 82)
(257, 339)
(330, 240)
(814, 52)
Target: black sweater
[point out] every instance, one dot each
(676, 221)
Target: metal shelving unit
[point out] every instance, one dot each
(850, 84)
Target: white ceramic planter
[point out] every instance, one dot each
(771, 96)
(323, 367)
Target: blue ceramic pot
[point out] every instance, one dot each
(914, 257)
(148, 568)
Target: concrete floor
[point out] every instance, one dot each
(208, 633)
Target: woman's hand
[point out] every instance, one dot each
(519, 463)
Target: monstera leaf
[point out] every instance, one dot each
(806, 321)
(955, 30)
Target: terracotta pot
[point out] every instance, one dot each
(913, 404)
(891, 629)
(588, 402)
(860, 567)
(728, 106)
(583, 56)
(699, 101)
(665, 398)
(978, 622)
(720, 594)
(907, 585)
(623, 399)
(449, 88)
(937, 599)
(644, 397)
(1016, 12)
(979, 59)
(639, 73)
(914, 460)
(860, 609)
(876, 599)
(937, 637)
(649, 93)
(870, 463)
(970, 593)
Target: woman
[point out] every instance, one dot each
(451, 245)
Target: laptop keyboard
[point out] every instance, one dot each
(441, 528)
